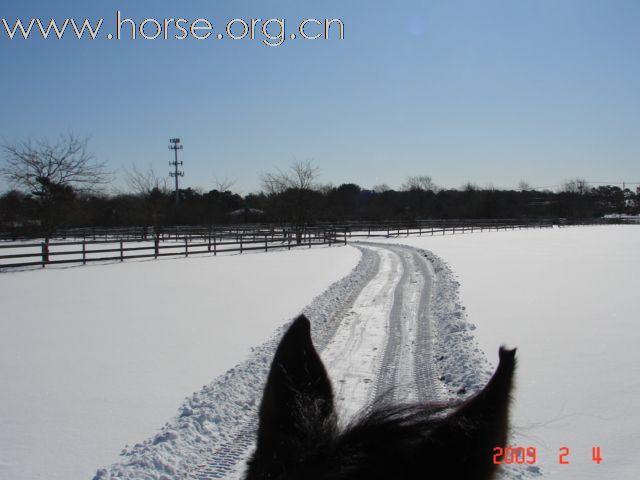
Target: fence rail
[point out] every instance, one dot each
(82, 252)
(82, 246)
(441, 229)
(259, 230)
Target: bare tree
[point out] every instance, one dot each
(38, 166)
(222, 185)
(144, 182)
(304, 174)
(470, 187)
(301, 175)
(424, 183)
(381, 188)
(579, 186)
(325, 188)
(524, 186)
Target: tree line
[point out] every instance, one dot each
(59, 186)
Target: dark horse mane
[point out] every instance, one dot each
(299, 436)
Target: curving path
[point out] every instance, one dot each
(378, 346)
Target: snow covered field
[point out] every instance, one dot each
(567, 299)
(95, 358)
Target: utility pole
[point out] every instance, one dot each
(175, 146)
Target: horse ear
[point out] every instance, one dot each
(298, 390)
(491, 404)
(479, 425)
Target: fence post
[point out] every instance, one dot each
(121, 252)
(156, 246)
(186, 246)
(266, 248)
(84, 252)
(240, 243)
(45, 252)
(215, 246)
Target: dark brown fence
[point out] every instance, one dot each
(84, 245)
(438, 228)
(29, 254)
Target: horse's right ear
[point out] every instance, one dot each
(477, 427)
(298, 391)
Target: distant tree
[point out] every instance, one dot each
(301, 175)
(381, 188)
(293, 194)
(470, 187)
(424, 183)
(224, 184)
(577, 185)
(40, 166)
(54, 173)
(14, 206)
(325, 188)
(142, 183)
(524, 186)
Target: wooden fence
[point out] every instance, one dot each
(99, 245)
(439, 229)
(45, 253)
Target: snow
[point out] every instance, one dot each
(93, 358)
(355, 351)
(566, 298)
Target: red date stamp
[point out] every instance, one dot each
(529, 455)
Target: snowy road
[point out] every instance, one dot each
(392, 329)
(379, 345)
(383, 341)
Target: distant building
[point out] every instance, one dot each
(246, 215)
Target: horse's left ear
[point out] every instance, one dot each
(298, 390)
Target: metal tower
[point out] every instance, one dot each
(175, 146)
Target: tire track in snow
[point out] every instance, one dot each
(406, 372)
(355, 354)
(375, 347)
(229, 460)
(377, 344)
(380, 344)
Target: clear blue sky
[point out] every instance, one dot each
(491, 91)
